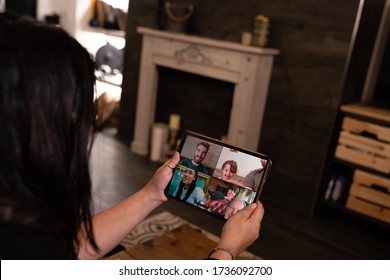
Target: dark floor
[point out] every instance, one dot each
(117, 173)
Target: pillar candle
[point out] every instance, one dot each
(246, 38)
(174, 121)
(159, 139)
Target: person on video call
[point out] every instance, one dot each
(224, 179)
(47, 117)
(232, 191)
(228, 170)
(218, 206)
(188, 191)
(196, 162)
(253, 179)
(233, 207)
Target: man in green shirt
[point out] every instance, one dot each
(196, 163)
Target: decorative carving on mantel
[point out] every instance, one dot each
(193, 54)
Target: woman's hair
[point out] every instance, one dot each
(233, 165)
(46, 122)
(190, 188)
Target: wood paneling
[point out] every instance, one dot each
(305, 89)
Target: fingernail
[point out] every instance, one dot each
(253, 205)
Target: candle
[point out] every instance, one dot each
(174, 121)
(246, 38)
(159, 139)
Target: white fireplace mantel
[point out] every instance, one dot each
(248, 68)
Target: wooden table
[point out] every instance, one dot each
(183, 243)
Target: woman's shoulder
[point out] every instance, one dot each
(198, 190)
(19, 242)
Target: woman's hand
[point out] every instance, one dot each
(126, 215)
(240, 231)
(161, 178)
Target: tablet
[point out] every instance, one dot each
(216, 177)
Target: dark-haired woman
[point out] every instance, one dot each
(188, 191)
(47, 116)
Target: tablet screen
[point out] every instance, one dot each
(216, 177)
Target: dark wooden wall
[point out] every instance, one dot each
(22, 7)
(305, 89)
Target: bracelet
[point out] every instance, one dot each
(230, 252)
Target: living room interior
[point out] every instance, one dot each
(323, 64)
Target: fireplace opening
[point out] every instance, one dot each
(203, 103)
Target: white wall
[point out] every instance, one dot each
(75, 16)
(66, 10)
(2, 6)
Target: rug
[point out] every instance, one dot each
(165, 221)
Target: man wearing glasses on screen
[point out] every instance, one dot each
(233, 207)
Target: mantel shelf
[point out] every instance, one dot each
(181, 37)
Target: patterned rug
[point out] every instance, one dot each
(165, 221)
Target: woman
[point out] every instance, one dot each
(232, 192)
(218, 206)
(47, 118)
(188, 191)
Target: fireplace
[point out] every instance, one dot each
(247, 68)
(203, 103)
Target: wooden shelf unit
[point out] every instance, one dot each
(359, 176)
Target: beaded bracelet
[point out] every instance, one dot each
(230, 252)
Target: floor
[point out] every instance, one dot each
(117, 173)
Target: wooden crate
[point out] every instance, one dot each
(356, 147)
(360, 126)
(370, 195)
